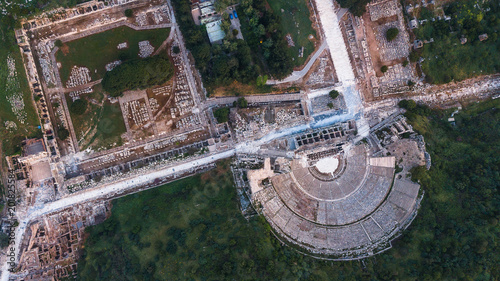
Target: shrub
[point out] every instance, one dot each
(235, 32)
(261, 80)
(330, 105)
(384, 68)
(391, 33)
(405, 63)
(334, 94)
(129, 13)
(242, 103)
(78, 107)
(58, 43)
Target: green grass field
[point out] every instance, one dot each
(295, 20)
(11, 138)
(97, 50)
(100, 127)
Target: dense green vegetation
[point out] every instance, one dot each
(241, 103)
(78, 107)
(391, 33)
(222, 114)
(356, 7)
(137, 74)
(192, 229)
(97, 50)
(261, 52)
(446, 59)
(384, 68)
(456, 233)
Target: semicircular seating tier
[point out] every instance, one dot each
(356, 208)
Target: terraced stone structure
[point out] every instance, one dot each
(339, 202)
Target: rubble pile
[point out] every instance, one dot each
(145, 49)
(110, 66)
(121, 46)
(44, 49)
(79, 76)
(382, 9)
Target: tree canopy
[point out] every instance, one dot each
(242, 103)
(391, 33)
(356, 7)
(222, 114)
(78, 107)
(129, 13)
(334, 94)
(137, 74)
(263, 52)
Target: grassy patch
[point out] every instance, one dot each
(101, 126)
(14, 86)
(109, 128)
(97, 50)
(296, 22)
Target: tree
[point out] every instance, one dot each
(242, 103)
(78, 107)
(129, 13)
(176, 49)
(222, 114)
(391, 33)
(58, 43)
(356, 7)
(330, 105)
(405, 63)
(235, 32)
(334, 94)
(384, 68)
(63, 133)
(407, 104)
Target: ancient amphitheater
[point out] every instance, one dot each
(338, 202)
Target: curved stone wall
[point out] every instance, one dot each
(354, 213)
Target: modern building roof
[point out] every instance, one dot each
(215, 32)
